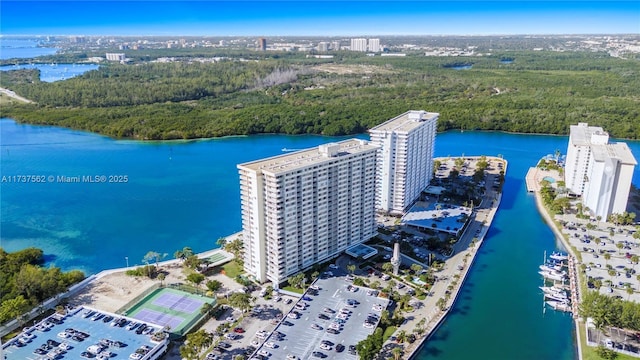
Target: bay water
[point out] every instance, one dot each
(98, 203)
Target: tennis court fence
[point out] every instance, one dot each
(137, 299)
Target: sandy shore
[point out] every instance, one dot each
(113, 291)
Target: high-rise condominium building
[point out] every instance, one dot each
(374, 45)
(305, 207)
(581, 138)
(359, 45)
(405, 159)
(598, 171)
(261, 44)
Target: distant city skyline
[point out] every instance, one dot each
(318, 18)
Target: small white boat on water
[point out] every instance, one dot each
(556, 276)
(549, 267)
(556, 297)
(559, 256)
(553, 290)
(559, 305)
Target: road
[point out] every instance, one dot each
(15, 96)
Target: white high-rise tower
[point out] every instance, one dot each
(598, 171)
(405, 159)
(305, 207)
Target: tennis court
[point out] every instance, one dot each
(217, 257)
(169, 307)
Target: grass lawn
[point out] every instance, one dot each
(388, 332)
(293, 289)
(232, 269)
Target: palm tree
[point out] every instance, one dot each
(240, 301)
(402, 336)
(634, 259)
(607, 257)
(184, 253)
(619, 246)
(396, 352)
(351, 268)
(629, 291)
(161, 277)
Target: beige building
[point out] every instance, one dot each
(306, 207)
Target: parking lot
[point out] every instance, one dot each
(317, 324)
(601, 255)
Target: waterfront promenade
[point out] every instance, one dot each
(452, 276)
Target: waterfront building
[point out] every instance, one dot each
(359, 45)
(598, 171)
(374, 45)
(581, 139)
(305, 207)
(405, 159)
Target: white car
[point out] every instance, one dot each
(325, 347)
(277, 298)
(271, 345)
(292, 357)
(333, 266)
(264, 353)
(368, 325)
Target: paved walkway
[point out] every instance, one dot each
(454, 273)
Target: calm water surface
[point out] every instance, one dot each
(22, 49)
(54, 72)
(186, 194)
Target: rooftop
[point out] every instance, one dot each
(406, 122)
(304, 158)
(81, 330)
(583, 134)
(618, 151)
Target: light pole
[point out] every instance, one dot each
(126, 258)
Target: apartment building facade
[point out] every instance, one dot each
(305, 207)
(598, 171)
(405, 159)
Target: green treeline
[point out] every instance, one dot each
(24, 283)
(538, 92)
(607, 311)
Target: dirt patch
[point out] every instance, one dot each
(352, 69)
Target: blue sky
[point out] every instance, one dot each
(328, 18)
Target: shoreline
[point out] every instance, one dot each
(267, 134)
(559, 236)
(457, 264)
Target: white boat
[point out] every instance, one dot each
(559, 256)
(559, 305)
(553, 275)
(551, 268)
(553, 290)
(556, 297)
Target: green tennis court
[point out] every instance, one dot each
(217, 257)
(178, 310)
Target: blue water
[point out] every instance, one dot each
(54, 72)
(22, 49)
(186, 194)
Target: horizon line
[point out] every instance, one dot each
(340, 35)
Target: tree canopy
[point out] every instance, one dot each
(24, 282)
(539, 92)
